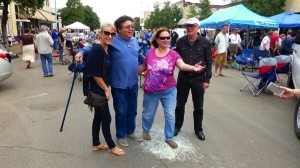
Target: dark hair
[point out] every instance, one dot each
(290, 32)
(153, 41)
(26, 30)
(118, 23)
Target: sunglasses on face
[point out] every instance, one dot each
(190, 26)
(165, 38)
(129, 27)
(106, 33)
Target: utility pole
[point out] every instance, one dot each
(55, 14)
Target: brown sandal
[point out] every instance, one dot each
(100, 147)
(117, 151)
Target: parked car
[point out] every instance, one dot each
(5, 65)
(294, 81)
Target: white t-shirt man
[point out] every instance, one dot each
(235, 38)
(265, 43)
(222, 42)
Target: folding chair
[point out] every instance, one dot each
(283, 67)
(258, 81)
(247, 59)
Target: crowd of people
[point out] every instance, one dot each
(51, 43)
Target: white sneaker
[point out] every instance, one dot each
(135, 137)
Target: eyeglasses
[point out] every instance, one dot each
(164, 38)
(106, 33)
(129, 27)
(190, 25)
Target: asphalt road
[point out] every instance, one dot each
(241, 130)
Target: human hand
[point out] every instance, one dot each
(205, 85)
(107, 95)
(288, 93)
(78, 58)
(198, 67)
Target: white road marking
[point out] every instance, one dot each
(32, 97)
(157, 145)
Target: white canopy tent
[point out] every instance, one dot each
(77, 26)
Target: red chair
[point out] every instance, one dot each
(258, 81)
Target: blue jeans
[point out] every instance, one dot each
(125, 105)
(61, 52)
(47, 69)
(150, 104)
(55, 44)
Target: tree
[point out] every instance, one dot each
(263, 7)
(165, 17)
(91, 19)
(72, 13)
(29, 5)
(205, 11)
(193, 11)
(137, 24)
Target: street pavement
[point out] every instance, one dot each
(241, 130)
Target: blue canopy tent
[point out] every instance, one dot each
(237, 17)
(287, 19)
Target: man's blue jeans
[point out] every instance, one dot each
(150, 104)
(125, 106)
(55, 44)
(61, 52)
(47, 69)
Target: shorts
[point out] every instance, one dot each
(221, 59)
(233, 48)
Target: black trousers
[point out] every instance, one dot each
(185, 83)
(102, 117)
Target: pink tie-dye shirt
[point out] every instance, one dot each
(160, 71)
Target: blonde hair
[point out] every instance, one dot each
(107, 25)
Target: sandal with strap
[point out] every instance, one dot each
(100, 147)
(117, 151)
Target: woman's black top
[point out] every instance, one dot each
(98, 65)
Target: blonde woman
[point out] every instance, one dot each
(98, 74)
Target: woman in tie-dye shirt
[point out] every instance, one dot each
(160, 83)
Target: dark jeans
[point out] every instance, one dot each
(125, 105)
(185, 82)
(103, 117)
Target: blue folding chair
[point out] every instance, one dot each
(258, 81)
(247, 59)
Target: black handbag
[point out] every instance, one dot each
(95, 100)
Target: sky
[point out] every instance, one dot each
(109, 10)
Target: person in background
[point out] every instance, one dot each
(234, 43)
(55, 39)
(160, 83)
(193, 49)
(174, 37)
(44, 43)
(69, 36)
(9, 40)
(98, 68)
(27, 48)
(274, 43)
(61, 41)
(287, 43)
(124, 55)
(265, 43)
(221, 45)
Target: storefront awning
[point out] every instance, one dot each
(47, 15)
(43, 16)
(21, 18)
